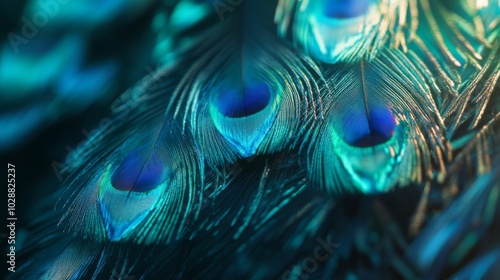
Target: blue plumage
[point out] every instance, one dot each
(346, 8)
(359, 141)
(251, 102)
(244, 101)
(139, 172)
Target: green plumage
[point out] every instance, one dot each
(349, 145)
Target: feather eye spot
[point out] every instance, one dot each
(345, 8)
(378, 128)
(237, 103)
(137, 174)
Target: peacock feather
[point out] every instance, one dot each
(374, 132)
(290, 139)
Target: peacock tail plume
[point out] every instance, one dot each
(290, 139)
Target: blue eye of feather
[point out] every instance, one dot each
(235, 103)
(378, 128)
(134, 175)
(345, 8)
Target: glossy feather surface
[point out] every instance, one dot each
(290, 139)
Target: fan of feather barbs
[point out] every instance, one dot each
(325, 139)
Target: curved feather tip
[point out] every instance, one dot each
(244, 116)
(360, 130)
(237, 103)
(127, 201)
(134, 175)
(346, 8)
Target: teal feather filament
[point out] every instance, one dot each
(248, 154)
(250, 99)
(372, 139)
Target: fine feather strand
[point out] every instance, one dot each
(364, 102)
(450, 237)
(459, 42)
